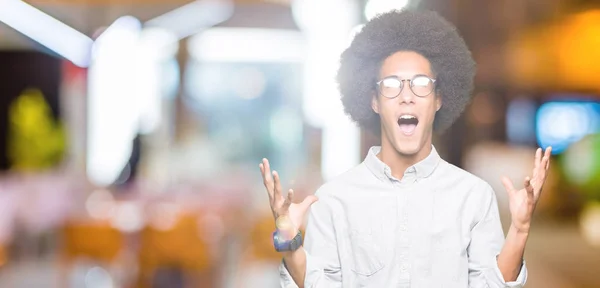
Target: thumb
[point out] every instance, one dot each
(308, 201)
(508, 185)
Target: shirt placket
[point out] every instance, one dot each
(403, 232)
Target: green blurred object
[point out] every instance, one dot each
(35, 140)
(581, 164)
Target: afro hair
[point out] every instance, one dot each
(423, 32)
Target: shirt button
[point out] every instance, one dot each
(403, 227)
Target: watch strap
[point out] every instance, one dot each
(282, 245)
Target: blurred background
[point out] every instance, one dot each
(131, 131)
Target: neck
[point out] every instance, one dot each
(399, 162)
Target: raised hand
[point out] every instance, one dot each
(522, 202)
(288, 215)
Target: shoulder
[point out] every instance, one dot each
(477, 197)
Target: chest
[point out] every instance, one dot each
(421, 211)
(407, 234)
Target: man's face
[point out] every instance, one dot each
(407, 119)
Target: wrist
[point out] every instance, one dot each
(285, 243)
(286, 234)
(519, 229)
(292, 255)
(286, 227)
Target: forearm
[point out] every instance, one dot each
(511, 255)
(295, 263)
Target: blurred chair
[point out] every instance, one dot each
(3, 255)
(174, 252)
(261, 242)
(96, 241)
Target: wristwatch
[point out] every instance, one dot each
(282, 237)
(283, 245)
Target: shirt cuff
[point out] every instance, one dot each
(521, 278)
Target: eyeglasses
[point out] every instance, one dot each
(421, 85)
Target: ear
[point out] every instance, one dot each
(375, 104)
(438, 103)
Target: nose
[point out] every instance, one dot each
(406, 95)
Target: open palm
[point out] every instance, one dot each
(283, 206)
(522, 202)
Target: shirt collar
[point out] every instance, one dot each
(422, 169)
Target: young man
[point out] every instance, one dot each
(405, 217)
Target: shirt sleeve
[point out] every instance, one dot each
(487, 239)
(322, 260)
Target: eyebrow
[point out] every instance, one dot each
(397, 76)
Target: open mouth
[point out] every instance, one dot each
(408, 124)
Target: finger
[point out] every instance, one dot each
(540, 175)
(547, 156)
(267, 169)
(528, 187)
(508, 185)
(266, 178)
(288, 201)
(538, 159)
(539, 182)
(277, 193)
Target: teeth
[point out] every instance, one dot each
(407, 117)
